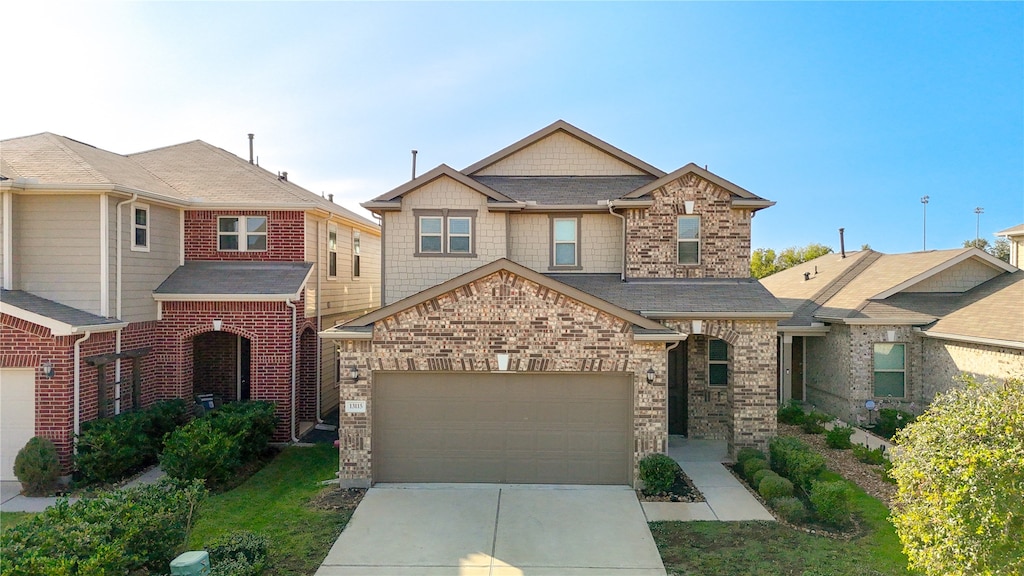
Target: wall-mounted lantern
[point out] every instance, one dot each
(47, 368)
(651, 375)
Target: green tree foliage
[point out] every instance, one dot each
(765, 262)
(960, 473)
(1001, 248)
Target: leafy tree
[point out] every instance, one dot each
(979, 243)
(1001, 248)
(765, 262)
(960, 473)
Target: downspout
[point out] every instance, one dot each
(319, 320)
(294, 344)
(78, 388)
(611, 210)
(117, 296)
(8, 201)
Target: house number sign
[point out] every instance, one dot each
(355, 406)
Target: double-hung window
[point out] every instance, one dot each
(242, 233)
(565, 242)
(355, 253)
(445, 232)
(431, 234)
(140, 228)
(890, 369)
(718, 362)
(460, 234)
(688, 240)
(332, 251)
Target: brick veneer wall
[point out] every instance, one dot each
(724, 233)
(542, 331)
(285, 236)
(215, 365)
(944, 360)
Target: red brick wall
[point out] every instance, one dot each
(307, 408)
(215, 365)
(285, 236)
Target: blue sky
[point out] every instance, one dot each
(843, 113)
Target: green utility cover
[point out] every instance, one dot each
(191, 563)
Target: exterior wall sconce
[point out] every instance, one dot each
(502, 362)
(651, 375)
(698, 326)
(688, 206)
(47, 368)
(353, 373)
(217, 324)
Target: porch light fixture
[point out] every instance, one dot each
(353, 373)
(47, 368)
(688, 206)
(502, 362)
(698, 326)
(217, 324)
(651, 375)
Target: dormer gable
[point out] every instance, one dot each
(965, 271)
(392, 199)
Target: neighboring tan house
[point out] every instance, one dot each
(552, 313)
(1016, 237)
(169, 273)
(896, 328)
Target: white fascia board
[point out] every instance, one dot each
(331, 334)
(226, 297)
(973, 339)
(666, 337)
(878, 321)
(76, 188)
(804, 330)
(56, 327)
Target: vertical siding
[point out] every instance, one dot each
(144, 271)
(57, 248)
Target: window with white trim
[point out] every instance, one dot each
(140, 228)
(890, 369)
(242, 233)
(718, 362)
(688, 240)
(332, 251)
(460, 238)
(431, 233)
(565, 242)
(355, 254)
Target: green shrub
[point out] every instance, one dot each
(37, 466)
(759, 477)
(658, 472)
(165, 417)
(795, 460)
(745, 454)
(891, 421)
(791, 413)
(790, 508)
(750, 467)
(831, 501)
(814, 422)
(111, 448)
(240, 553)
(252, 423)
(138, 530)
(775, 487)
(869, 455)
(839, 437)
(199, 450)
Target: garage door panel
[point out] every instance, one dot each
(521, 428)
(17, 415)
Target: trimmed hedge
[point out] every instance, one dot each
(790, 508)
(658, 472)
(839, 437)
(775, 487)
(240, 553)
(795, 460)
(760, 475)
(752, 466)
(138, 530)
(745, 454)
(37, 466)
(831, 501)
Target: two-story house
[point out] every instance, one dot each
(170, 273)
(551, 314)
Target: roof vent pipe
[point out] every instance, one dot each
(330, 197)
(283, 176)
(842, 243)
(414, 152)
(807, 276)
(251, 136)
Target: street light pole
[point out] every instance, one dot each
(924, 223)
(977, 226)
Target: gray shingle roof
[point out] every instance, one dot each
(555, 190)
(235, 279)
(683, 296)
(53, 310)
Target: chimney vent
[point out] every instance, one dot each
(807, 276)
(251, 136)
(330, 197)
(283, 176)
(414, 152)
(842, 243)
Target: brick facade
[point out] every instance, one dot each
(944, 360)
(285, 236)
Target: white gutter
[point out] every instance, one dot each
(335, 334)
(78, 388)
(227, 297)
(294, 344)
(8, 239)
(117, 299)
(319, 320)
(659, 337)
(611, 210)
(104, 257)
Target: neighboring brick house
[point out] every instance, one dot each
(551, 314)
(896, 329)
(165, 274)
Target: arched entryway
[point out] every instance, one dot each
(221, 366)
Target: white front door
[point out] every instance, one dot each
(17, 415)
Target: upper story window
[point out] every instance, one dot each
(355, 253)
(688, 250)
(718, 362)
(242, 233)
(332, 251)
(565, 242)
(140, 227)
(890, 370)
(445, 232)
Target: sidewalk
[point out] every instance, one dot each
(727, 499)
(11, 499)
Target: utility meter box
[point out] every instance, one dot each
(192, 563)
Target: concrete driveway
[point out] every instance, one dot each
(495, 530)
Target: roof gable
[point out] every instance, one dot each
(565, 138)
(742, 195)
(442, 171)
(959, 273)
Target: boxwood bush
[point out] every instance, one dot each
(814, 422)
(658, 472)
(240, 553)
(745, 454)
(759, 476)
(752, 466)
(37, 466)
(795, 460)
(831, 501)
(775, 487)
(791, 413)
(790, 509)
(839, 437)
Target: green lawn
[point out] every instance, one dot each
(274, 502)
(772, 549)
(8, 519)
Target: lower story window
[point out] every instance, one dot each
(718, 363)
(890, 370)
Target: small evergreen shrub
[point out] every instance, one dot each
(791, 413)
(839, 437)
(891, 421)
(869, 455)
(814, 422)
(752, 466)
(110, 448)
(37, 466)
(163, 418)
(240, 553)
(759, 477)
(745, 454)
(775, 487)
(658, 472)
(199, 450)
(831, 501)
(790, 508)
(252, 423)
(793, 459)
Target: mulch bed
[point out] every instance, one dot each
(682, 490)
(334, 498)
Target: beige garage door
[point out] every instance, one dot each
(17, 415)
(565, 428)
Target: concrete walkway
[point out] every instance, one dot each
(495, 530)
(12, 500)
(727, 499)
